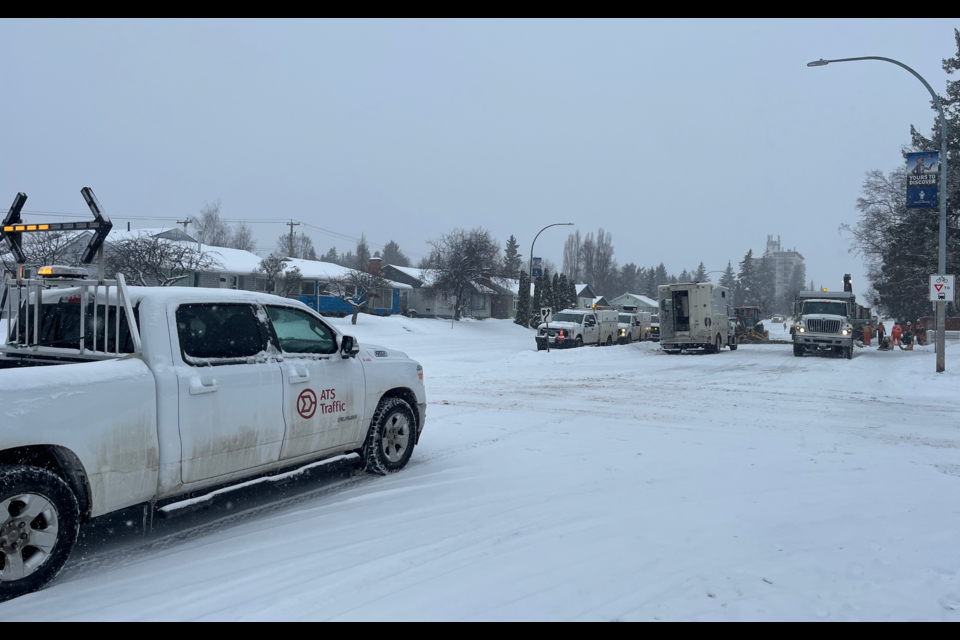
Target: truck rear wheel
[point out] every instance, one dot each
(391, 438)
(39, 523)
(718, 347)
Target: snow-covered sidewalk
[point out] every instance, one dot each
(598, 484)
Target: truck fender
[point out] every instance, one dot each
(60, 461)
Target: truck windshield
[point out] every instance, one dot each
(655, 319)
(816, 307)
(568, 317)
(625, 320)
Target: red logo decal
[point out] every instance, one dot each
(307, 404)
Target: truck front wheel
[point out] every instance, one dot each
(39, 522)
(391, 438)
(797, 351)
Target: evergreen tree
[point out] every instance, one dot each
(766, 285)
(661, 276)
(512, 260)
(394, 256)
(650, 283)
(749, 285)
(729, 278)
(556, 301)
(523, 304)
(546, 295)
(534, 321)
(331, 256)
(685, 277)
(701, 274)
(562, 293)
(630, 277)
(572, 295)
(361, 262)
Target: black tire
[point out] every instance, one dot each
(733, 344)
(718, 347)
(390, 415)
(21, 480)
(797, 351)
(578, 343)
(849, 353)
(609, 341)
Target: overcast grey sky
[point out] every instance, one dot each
(689, 140)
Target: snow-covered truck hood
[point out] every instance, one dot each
(560, 325)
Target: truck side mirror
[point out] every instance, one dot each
(349, 347)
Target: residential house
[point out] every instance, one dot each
(424, 300)
(585, 296)
(316, 292)
(634, 302)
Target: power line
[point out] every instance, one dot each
(334, 234)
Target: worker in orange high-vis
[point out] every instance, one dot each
(867, 334)
(896, 334)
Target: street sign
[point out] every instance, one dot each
(941, 288)
(537, 268)
(546, 314)
(923, 180)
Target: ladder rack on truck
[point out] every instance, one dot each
(39, 329)
(105, 310)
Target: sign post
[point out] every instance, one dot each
(546, 314)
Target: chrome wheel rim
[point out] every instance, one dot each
(396, 437)
(28, 535)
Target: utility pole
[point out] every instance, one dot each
(292, 224)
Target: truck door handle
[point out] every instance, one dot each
(200, 387)
(299, 379)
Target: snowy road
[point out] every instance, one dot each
(598, 484)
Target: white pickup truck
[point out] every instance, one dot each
(573, 328)
(205, 388)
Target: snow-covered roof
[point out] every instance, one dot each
(327, 271)
(234, 261)
(581, 287)
(423, 275)
(642, 299)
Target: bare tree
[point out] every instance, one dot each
(242, 238)
(280, 279)
(153, 261)
(572, 257)
(210, 229)
(359, 289)
(302, 247)
(43, 249)
(460, 259)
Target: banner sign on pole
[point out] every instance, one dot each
(941, 288)
(538, 267)
(923, 180)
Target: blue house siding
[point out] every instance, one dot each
(334, 306)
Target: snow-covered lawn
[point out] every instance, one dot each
(597, 484)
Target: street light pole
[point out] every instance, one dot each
(942, 266)
(559, 224)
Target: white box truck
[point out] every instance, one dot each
(695, 317)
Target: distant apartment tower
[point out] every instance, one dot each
(784, 263)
